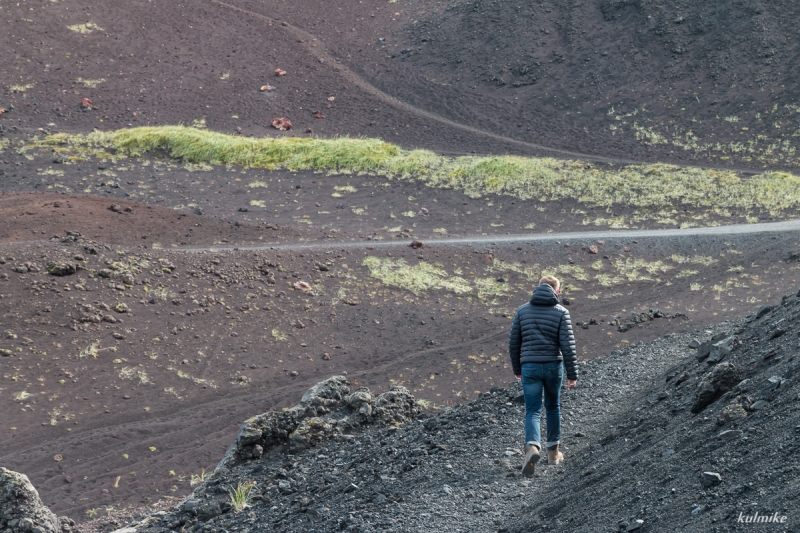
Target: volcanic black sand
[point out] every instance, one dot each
(112, 405)
(95, 391)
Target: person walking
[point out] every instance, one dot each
(541, 344)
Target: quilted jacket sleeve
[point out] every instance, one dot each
(567, 346)
(514, 345)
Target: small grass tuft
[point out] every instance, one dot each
(90, 84)
(20, 88)
(636, 269)
(241, 495)
(88, 27)
(196, 479)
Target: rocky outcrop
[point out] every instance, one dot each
(720, 380)
(326, 410)
(61, 268)
(21, 510)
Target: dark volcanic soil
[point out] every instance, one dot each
(205, 340)
(107, 405)
(163, 63)
(39, 216)
(656, 437)
(705, 83)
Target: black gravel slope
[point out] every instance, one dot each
(664, 436)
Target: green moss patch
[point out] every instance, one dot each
(655, 186)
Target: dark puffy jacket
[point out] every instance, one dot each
(542, 333)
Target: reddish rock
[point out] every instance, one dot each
(281, 123)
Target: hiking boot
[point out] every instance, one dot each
(554, 456)
(530, 460)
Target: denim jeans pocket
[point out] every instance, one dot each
(531, 372)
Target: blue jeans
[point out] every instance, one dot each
(538, 378)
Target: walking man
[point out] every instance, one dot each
(541, 344)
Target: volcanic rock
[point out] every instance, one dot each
(281, 123)
(721, 379)
(21, 510)
(61, 268)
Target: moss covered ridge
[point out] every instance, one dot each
(656, 186)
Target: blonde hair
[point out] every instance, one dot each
(550, 280)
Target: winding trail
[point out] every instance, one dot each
(734, 229)
(320, 52)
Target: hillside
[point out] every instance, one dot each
(666, 436)
(712, 82)
(611, 80)
(209, 207)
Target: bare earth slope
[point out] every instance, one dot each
(710, 83)
(658, 437)
(205, 339)
(141, 323)
(708, 80)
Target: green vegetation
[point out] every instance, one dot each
(417, 279)
(20, 88)
(88, 27)
(569, 271)
(89, 351)
(746, 147)
(90, 84)
(634, 269)
(134, 373)
(655, 186)
(490, 288)
(696, 260)
(196, 479)
(240, 496)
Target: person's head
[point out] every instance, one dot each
(552, 281)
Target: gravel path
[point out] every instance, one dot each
(456, 472)
(733, 229)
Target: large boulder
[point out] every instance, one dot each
(331, 392)
(721, 349)
(21, 510)
(61, 268)
(395, 406)
(326, 410)
(721, 379)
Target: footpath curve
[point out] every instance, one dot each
(320, 52)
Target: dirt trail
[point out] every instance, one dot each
(734, 229)
(322, 54)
